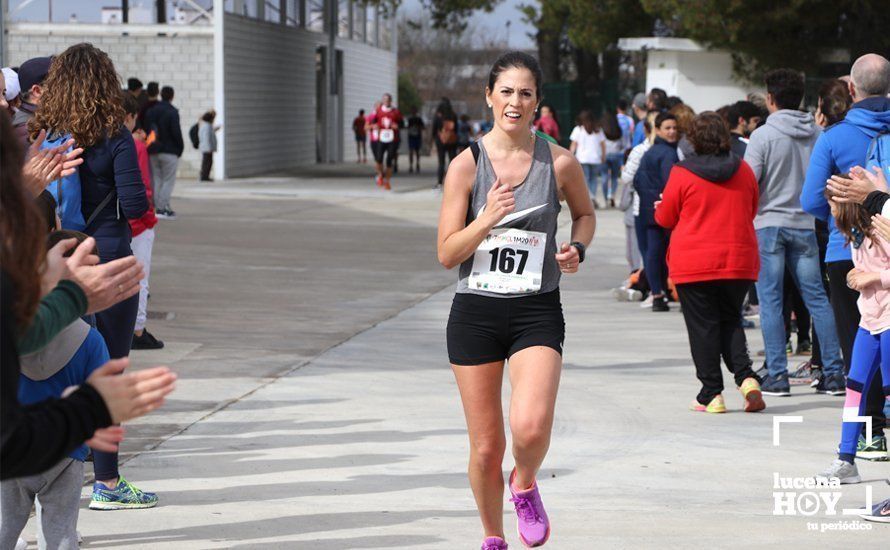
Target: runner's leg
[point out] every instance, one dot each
(534, 376)
(480, 392)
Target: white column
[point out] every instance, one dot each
(219, 92)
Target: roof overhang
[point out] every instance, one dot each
(659, 43)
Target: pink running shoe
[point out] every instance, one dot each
(531, 522)
(494, 543)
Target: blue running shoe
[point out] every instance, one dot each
(124, 496)
(777, 386)
(880, 512)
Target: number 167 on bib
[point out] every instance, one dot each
(509, 261)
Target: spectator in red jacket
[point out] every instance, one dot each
(142, 229)
(709, 202)
(547, 123)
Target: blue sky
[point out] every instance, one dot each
(88, 11)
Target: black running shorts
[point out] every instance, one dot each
(483, 329)
(385, 153)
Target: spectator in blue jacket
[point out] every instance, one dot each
(58, 369)
(649, 182)
(841, 147)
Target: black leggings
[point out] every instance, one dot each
(846, 316)
(441, 152)
(712, 311)
(794, 303)
(116, 325)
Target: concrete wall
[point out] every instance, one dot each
(176, 56)
(703, 79)
(269, 96)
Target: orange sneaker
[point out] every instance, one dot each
(715, 406)
(379, 181)
(750, 389)
(386, 185)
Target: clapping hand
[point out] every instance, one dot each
(858, 186)
(43, 166)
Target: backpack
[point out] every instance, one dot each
(193, 135)
(152, 132)
(448, 133)
(66, 191)
(879, 153)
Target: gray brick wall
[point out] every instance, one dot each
(184, 61)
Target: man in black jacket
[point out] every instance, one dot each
(744, 118)
(164, 147)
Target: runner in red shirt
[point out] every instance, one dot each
(361, 136)
(386, 123)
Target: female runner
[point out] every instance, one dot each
(498, 222)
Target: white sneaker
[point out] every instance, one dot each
(646, 303)
(21, 544)
(624, 294)
(844, 471)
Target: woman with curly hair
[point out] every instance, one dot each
(82, 99)
(685, 115)
(35, 437)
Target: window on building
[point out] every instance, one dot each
(315, 15)
(359, 21)
(385, 29)
(371, 25)
(293, 13)
(344, 19)
(272, 11)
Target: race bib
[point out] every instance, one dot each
(387, 136)
(509, 261)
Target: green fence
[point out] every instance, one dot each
(567, 99)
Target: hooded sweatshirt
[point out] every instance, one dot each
(709, 203)
(778, 154)
(841, 147)
(67, 361)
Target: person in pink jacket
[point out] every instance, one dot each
(142, 229)
(871, 348)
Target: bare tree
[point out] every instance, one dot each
(449, 63)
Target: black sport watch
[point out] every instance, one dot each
(582, 250)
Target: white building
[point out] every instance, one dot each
(285, 77)
(702, 78)
(139, 14)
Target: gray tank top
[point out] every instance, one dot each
(537, 209)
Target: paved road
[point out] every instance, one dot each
(316, 408)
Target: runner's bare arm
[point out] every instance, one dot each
(458, 241)
(570, 181)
